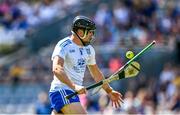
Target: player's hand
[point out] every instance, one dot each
(80, 89)
(116, 98)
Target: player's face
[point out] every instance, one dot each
(88, 36)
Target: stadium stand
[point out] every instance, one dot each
(30, 29)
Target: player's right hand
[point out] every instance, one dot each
(80, 89)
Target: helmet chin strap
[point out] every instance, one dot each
(85, 34)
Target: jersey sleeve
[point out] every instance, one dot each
(58, 51)
(92, 59)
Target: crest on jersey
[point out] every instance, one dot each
(72, 50)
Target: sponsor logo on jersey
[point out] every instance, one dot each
(72, 50)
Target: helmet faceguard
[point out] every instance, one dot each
(84, 23)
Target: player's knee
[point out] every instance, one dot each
(53, 112)
(56, 113)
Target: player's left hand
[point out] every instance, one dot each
(116, 98)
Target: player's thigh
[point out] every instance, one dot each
(74, 108)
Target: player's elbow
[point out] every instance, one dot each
(57, 70)
(54, 71)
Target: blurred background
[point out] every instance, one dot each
(30, 29)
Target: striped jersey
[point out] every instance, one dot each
(75, 60)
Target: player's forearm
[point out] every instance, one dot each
(105, 86)
(61, 75)
(98, 76)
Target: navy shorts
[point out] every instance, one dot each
(58, 100)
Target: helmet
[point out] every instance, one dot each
(82, 22)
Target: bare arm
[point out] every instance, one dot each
(59, 72)
(114, 95)
(98, 76)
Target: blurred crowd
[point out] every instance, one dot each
(17, 17)
(145, 94)
(138, 21)
(124, 23)
(155, 95)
